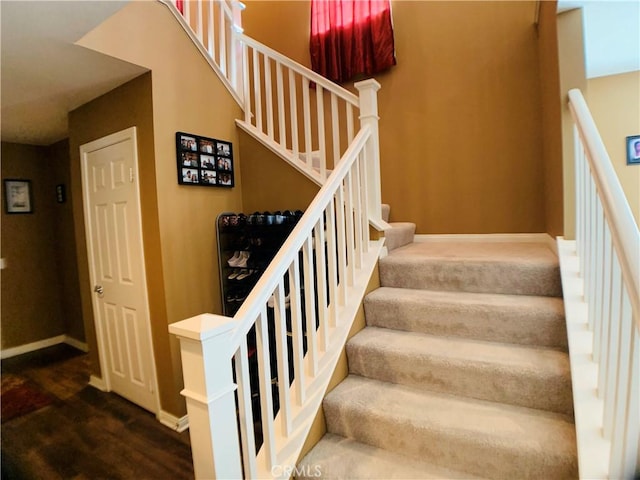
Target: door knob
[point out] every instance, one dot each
(98, 289)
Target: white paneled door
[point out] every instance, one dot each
(116, 264)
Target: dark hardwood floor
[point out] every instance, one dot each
(85, 433)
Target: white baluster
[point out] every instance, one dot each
(245, 410)
(348, 194)
(296, 331)
(210, 29)
(237, 65)
(357, 213)
(335, 129)
(282, 354)
(332, 262)
(293, 106)
(222, 43)
(349, 113)
(246, 83)
(257, 87)
(268, 92)
(199, 29)
(282, 116)
(306, 108)
(622, 410)
(266, 393)
(321, 276)
(321, 137)
(309, 306)
(342, 246)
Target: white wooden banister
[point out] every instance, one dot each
(601, 286)
(328, 251)
(302, 307)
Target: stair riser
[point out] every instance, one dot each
(509, 325)
(484, 381)
(478, 277)
(471, 453)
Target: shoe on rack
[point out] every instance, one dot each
(234, 275)
(244, 274)
(236, 258)
(241, 260)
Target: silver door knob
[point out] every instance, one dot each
(98, 289)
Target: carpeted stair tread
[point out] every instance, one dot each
(399, 235)
(497, 372)
(519, 319)
(484, 267)
(337, 457)
(481, 438)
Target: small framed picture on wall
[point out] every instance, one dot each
(204, 161)
(17, 196)
(633, 150)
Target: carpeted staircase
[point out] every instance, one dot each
(461, 372)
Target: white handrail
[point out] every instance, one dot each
(308, 264)
(279, 265)
(624, 230)
(602, 299)
(301, 69)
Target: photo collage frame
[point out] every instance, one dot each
(204, 161)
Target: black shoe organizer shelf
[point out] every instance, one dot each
(247, 244)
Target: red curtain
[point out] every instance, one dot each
(351, 37)
(180, 6)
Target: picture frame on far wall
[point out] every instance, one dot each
(17, 196)
(633, 150)
(204, 161)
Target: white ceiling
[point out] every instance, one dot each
(611, 35)
(44, 75)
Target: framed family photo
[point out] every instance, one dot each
(204, 161)
(17, 196)
(633, 150)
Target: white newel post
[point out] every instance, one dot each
(237, 65)
(209, 392)
(367, 90)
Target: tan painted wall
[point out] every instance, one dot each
(66, 258)
(31, 305)
(187, 96)
(572, 75)
(269, 183)
(614, 102)
(551, 117)
(461, 135)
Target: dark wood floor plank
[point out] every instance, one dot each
(86, 433)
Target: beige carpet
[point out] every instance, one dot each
(461, 372)
(400, 233)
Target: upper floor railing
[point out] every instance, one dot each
(608, 247)
(300, 115)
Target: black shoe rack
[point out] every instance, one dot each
(247, 244)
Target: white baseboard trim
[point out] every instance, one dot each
(99, 383)
(75, 343)
(40, 344)
(173, 422)
(32, 347)
(490, 237)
